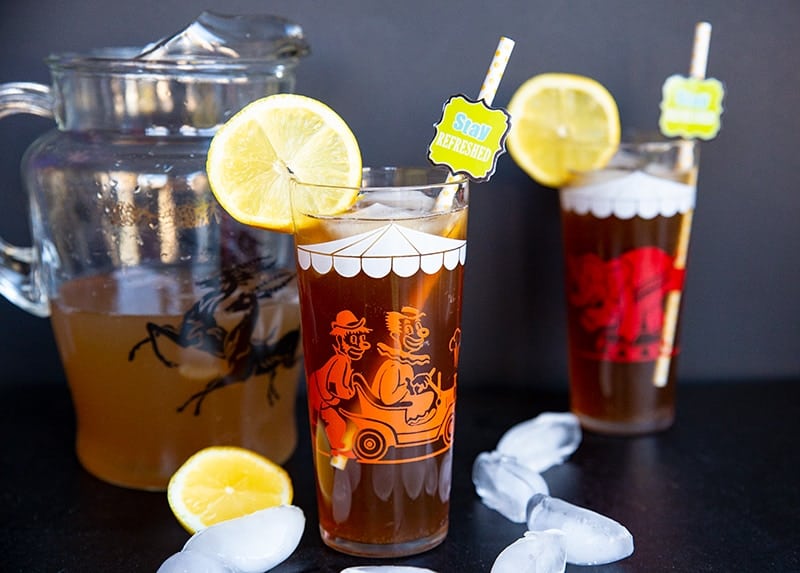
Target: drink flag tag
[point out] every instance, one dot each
(469, 137)
(691, 107)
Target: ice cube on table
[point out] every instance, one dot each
(535, 552)
(193, 562)
(254, 543)
(222, 36)
(543, 441)
(589, 537)
(505, 485)
(387, 569)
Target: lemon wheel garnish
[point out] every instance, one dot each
(220, 483)
(255, 155)
(562, 124)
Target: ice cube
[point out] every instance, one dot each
(505, 485)
(378, 211)
(590, 538)
(592, 178)
(543, 441)
(222, 36)
(387, 569)
(535, 552)
(254, 543)
(406, 201)
(394, 204)
(193, 562)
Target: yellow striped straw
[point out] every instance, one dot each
(697, 70)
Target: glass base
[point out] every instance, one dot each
(403, 549)
(626, 428)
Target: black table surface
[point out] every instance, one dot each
(717, 492)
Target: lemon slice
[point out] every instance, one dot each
(562, 124)
(255, 155)
(220, 483)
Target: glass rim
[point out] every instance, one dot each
(447, 179)
(655, 144)
(121, 60)
(652, 143)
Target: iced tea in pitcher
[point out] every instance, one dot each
(160, 366)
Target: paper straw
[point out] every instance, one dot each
(488, 90)
(697, 70)
(702, 39)
(496, 70)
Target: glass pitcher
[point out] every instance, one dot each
(178, 328)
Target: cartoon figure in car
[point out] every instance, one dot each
(335, 380)
(397, 383)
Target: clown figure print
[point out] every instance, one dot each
(333, 383)
(398, 381)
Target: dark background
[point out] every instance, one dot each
(387, 67)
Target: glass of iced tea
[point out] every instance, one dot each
(380, 297)
(625, 239)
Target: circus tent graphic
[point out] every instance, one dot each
(629, 195)
(391, 248)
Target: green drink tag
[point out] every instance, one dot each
(691, 107)
(469, 137)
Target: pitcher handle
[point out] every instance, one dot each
(18, 279)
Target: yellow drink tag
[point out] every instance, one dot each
(691, 107)
(469, 137)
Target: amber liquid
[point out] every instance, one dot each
(391, 497)
(611, 391)
(148, 395)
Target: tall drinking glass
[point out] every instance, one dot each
(380, 298)
(626, 235)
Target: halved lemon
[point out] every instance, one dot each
(255, 156)
(562, 124)
(219, 483)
